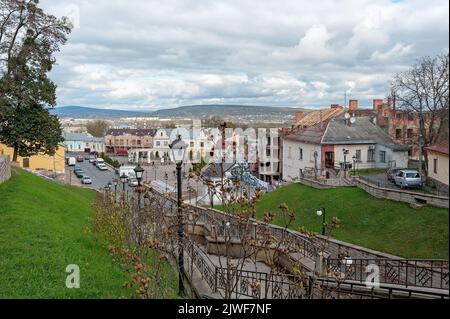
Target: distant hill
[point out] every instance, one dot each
(203, 111)
(190, 111)
(89, 112)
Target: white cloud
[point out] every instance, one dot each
(148, 53)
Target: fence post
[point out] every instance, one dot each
(216, 274)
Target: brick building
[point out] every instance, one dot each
(127, 139)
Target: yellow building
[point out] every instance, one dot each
(54, 163)
(438, 162)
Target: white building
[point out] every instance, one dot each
(81, 142)
(319, 149)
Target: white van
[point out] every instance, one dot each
(128, 170)
(99, 161)
(71, 161)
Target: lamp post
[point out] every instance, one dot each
(166, 177)
(354, 165)
(124, 180)
(178, 148)
(139, 171)
(345, 161)
(115, 181)
(321, 212)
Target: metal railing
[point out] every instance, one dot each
(404, 272)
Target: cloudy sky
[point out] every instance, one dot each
(141, 54)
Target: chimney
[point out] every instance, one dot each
(353, 105)
(298, 116)
(377, 104)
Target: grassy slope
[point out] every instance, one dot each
(383, 225)
(43, 228)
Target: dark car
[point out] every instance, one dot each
(391, 173)
(79, 173)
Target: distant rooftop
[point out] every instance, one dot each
(129, 131)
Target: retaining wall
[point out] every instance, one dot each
(402, 195)
(5, 168)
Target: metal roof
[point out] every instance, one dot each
(362, 131)
(83, 137)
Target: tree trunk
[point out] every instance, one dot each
(16, 151)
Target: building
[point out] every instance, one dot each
(127, 139)
(161, 139)
(269, 167)
(437, 156)
(54, 164)
(83, 142)
(326, 147)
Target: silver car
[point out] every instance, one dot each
(86, 180)
(133, 182)
(408, 178)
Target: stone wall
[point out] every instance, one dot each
(5, 168)
(402, 195)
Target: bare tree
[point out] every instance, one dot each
(423, 89)
(97, 128)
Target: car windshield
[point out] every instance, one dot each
(412, 175)
(86, 177)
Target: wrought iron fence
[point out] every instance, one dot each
(405, 272)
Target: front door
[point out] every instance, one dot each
(329, 159)
(26, 163)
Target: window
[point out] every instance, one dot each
(300, 155)
(371, 155)
(358, 155)
(409, 133)
(398, 133)
(382, 157)
(268, 152)
(202, 144)
(138, 142)
(158, 143)
(26, 162)
(435, 161)
(191, 144)
(268, 141)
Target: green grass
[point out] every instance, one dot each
(383, 225)
(43, 228)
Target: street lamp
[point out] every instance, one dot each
(124, 180)
(115, 181)
(178, 148)
(345, 161)
(354, 165)
(139, 172)
(321, 212)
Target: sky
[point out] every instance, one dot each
(147, 55)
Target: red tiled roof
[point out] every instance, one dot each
(439, 148)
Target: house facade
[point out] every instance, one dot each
(438, 163)
(127, 139)
(40, 162)
(322, 149)
(79, 142)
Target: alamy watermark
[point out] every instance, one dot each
(73, 279)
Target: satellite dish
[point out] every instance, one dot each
(352, 120)
(347, 116)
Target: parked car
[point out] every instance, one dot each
(79, 173)
(86, 180)
(408, 178)
(102, 167)
(71, 161)
(99, 161)
(80, 158)
(391, 174)
(77, 168)
(92, 159)
(132, 182)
